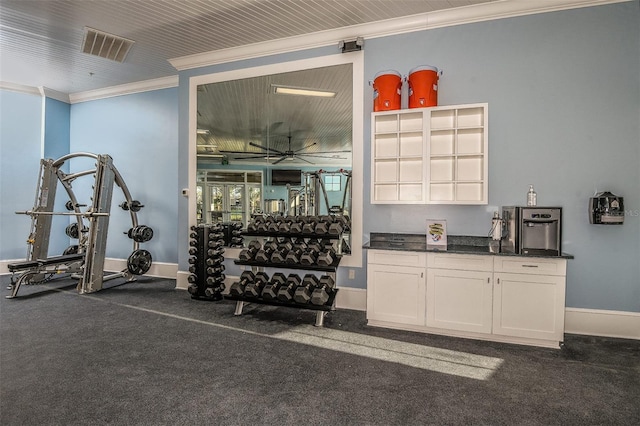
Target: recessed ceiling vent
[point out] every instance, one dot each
(105, 45)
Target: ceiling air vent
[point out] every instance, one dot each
(105, 45)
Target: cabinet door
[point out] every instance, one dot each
(528, 305)
(396, 294)
(459, 300)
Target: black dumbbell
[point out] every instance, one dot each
(327, 257)
(286, 292)
(323, 291)
(251, 250)
(213, 270)
(280, 254)
(310, 225)
(296, 227)
(237, 288)
(215, 252)
(293, 255)
(217, 280)
(336, 228)
(284, 226)
(310, 254)
(303, 291)
(254, 289)
(264, 254)
(214, 261)
(323, 224)
(270, 291)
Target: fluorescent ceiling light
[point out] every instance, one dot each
(202, 131)
(301, 91)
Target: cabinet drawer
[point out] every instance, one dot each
(399, 258)
(526, 265)
(460, 262)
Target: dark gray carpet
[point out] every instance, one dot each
(145, 354)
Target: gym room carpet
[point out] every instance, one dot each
(143, 353)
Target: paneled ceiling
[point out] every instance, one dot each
(40, 40)
(41, 46)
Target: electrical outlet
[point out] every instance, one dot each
(352, 274)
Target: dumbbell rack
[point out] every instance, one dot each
(256, 266)
(206, 278)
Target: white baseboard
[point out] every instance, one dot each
(352, 298)
(596, 322)
(158, 269)
(4, 268)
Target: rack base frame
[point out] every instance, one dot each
(321, 310)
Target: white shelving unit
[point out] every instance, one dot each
(398, 158)
(457, 148)
(430, 156)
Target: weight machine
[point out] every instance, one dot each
(306, 201)
(84, 261)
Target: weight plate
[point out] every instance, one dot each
(139, 262)
(72, 230)
(71, 250)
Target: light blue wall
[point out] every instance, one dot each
(139, 132)
(57, 116)
(20, 153)
(564, 93)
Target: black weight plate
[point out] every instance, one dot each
(139, 262)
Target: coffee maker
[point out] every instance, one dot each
(532, 230)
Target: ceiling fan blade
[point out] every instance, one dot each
(238, 152)
(280, 160)
(321, 152)
(266, 148)
(321, 156)
(306, 161)
(252, 157)
(305, 147)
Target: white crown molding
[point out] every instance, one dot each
(443, 18)
(54, 94)
(13, 87)
(125, 89)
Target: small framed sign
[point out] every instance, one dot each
(437, 234)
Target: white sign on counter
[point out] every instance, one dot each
(437, 234)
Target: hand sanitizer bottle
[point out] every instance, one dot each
(532, 198)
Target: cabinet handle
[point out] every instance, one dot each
(488, 280)
(421, 274)
(498, 280)
(529, 266)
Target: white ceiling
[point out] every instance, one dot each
(40, 40)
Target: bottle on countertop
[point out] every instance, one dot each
(532, 197)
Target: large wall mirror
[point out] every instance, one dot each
(281, 139)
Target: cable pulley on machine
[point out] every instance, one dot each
(135, 206)
(73, 249)
(139, 262)
(140, 233)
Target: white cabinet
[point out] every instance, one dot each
(502, 298)
(430, 155)
(459, 297)
(396, 287)
(529, 303)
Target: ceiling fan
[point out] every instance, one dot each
(288, 155)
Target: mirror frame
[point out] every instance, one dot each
(357, 194)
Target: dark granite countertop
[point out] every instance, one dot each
(457, 244)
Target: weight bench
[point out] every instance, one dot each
(32, 267)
